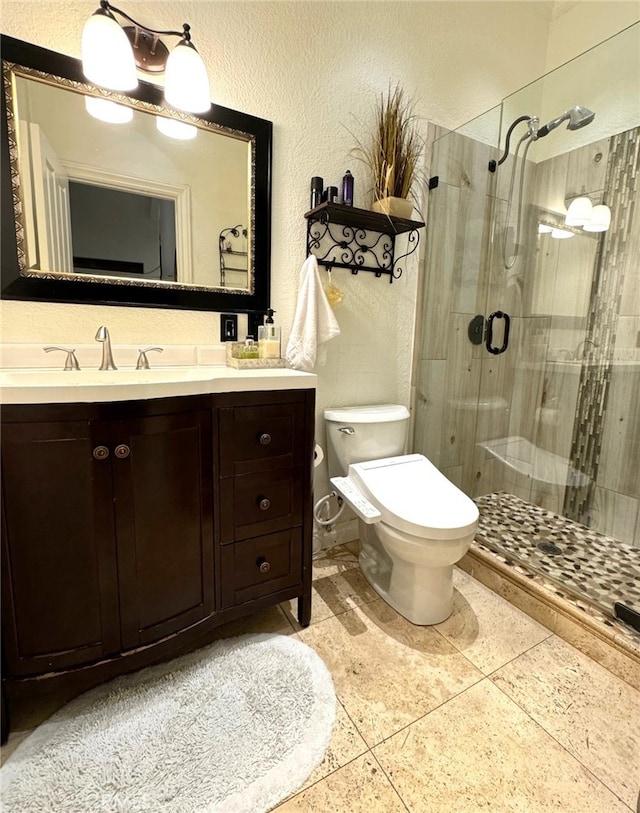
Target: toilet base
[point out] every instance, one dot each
(422, 595)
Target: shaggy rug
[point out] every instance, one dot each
(234, 727)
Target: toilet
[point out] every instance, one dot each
(414, 523)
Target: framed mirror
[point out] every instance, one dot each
(157, 209)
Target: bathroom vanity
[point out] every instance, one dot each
(134, 527)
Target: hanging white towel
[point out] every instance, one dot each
(313, 323)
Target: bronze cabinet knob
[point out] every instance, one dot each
(122, 451)
(264, 503)
(265, 439)
(263, 565)
(101, 453)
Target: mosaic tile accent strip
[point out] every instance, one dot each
(604, 306)
(593, 568)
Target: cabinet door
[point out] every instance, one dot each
(59, 591)
(162, 475)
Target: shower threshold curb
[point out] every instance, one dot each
(607, 641)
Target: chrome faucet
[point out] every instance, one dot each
(107, 357)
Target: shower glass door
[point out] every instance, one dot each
(552, 424)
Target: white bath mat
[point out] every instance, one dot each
(234, 727)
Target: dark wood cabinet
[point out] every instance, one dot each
(131, 529)
(59, 573)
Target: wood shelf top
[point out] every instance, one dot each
(362, 218)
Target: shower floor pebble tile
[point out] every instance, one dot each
(596, 569)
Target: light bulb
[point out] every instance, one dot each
(186, 85)
(107, 58)
(107, 111)
(600, 219)
(176, 129)
(579, 212)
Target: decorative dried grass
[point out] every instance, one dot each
(393, 151)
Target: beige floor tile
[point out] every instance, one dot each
(480, 751)
(386, 671)
(485, 627)
(338, 586)
(359, 787)
(272, 619)
(592, 713)
(602, 652)
(25, 715)
(346, 744)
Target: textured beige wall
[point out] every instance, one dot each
(314, 68)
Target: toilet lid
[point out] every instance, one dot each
(413, 496)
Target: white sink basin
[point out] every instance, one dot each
(79, 378)
(43, 386)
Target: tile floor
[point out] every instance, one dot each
(488, 710)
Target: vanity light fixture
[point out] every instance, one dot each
(600, 219)
(583, 214)
(176, 129)
(111, 53)
(579, 212)
(108, 111)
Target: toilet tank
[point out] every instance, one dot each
(359, 433)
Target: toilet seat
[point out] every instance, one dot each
(414, 497)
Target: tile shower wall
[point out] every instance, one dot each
(530, 397)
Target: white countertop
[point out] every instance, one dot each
(47, 386)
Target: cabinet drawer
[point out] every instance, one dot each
(259, 438)
(260, 566)
(256, 504)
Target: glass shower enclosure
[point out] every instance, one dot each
(528, 349)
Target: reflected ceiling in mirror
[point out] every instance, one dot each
(176, 198)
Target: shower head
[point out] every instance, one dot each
(577, 116)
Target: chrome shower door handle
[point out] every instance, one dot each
(489, 333)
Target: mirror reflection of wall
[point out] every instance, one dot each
(122, 234)
(208, 177)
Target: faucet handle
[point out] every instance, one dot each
(71, 362)
(143, 361)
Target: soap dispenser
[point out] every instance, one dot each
(269, 338)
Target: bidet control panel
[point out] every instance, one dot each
(364, 509)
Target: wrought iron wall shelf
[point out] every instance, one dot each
(227, 239)
(339, 236)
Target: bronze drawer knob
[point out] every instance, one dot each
(263, 565)
(101, 453)
(265, 439)
(264, 503)
(122, 451)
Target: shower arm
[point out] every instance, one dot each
(493, 164)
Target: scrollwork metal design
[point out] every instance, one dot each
(351, 247)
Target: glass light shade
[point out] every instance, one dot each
(561, 234)
(107, 58)
(186, 85)
(579, 212)
(544, 229)
(104, 110)
(600, 219)
(176, 129)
